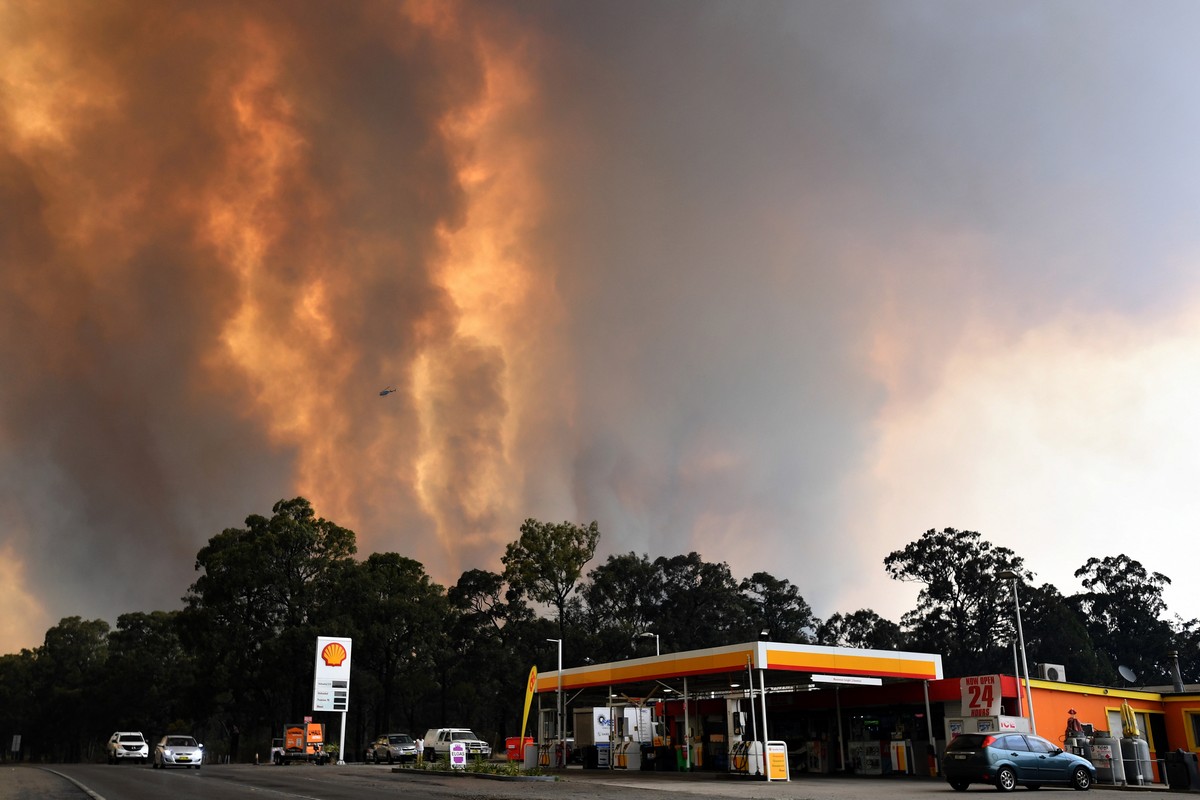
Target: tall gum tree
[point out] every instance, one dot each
(964, 611)
(263, 594)
(547, 561)
(1122, 606)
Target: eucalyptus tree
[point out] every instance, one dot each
(489, 651)
(264, 594)
(1056, 633)
(700, 603)
(547, 561)
(398, 616)
(862, 628)
(776, 606)
(148, 678)
(1124, 611)
(18, 713)
(621, 601)
(1186, 643)
(964, 610)
(68, 669)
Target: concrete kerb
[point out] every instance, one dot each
(461, 773)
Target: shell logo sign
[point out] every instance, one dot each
(331, 678)
(334, 654)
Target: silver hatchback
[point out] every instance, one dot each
(178, 751)
(392, 748)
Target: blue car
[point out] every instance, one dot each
(1008, 760)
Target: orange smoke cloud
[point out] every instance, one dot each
(230, 229)
(460, 370)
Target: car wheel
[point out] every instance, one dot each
(959, 786)
(1081, 779)
(390, 758)
(1006, 779)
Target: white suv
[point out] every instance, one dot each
(127, 745)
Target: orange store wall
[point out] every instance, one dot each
(1052, 703)
(1179, 712)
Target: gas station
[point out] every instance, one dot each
(774, 710)
(760, 708)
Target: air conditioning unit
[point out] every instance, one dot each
(1052, 672)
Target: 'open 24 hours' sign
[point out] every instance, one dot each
(980, 696)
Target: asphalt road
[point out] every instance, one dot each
(363, 782)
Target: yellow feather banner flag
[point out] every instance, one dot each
(529, 697)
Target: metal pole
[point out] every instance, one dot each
(929, 723)
(612, 732)
(687, 726)
(762, 699)
(342, 742)
(753, 716)
(1017, 675)
(1024, 658)
(560, 710)
(837, 698)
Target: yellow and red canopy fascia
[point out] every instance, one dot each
(755, 655)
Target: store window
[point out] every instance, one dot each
(1195, 720)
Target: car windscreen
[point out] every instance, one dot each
(968, 741)
(401, 739)
(463, 735)
(132, 737)
(181, 741)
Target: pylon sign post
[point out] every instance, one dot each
(331, 681)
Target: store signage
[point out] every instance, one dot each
(980, 695)
(854, 680)
(458, 755)
(331, 681)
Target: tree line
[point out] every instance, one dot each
(235, 663)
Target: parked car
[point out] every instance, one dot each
(438, 740)
(127, 746)
(392, 747)
(178, 751)
(1008, 760)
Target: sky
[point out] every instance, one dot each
(783, 283)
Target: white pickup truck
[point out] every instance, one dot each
(438, 740)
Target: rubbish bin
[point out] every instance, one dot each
(1182, 771)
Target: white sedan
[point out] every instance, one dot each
(178, 751)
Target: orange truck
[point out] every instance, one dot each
(303, 741)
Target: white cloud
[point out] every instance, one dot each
(1075, 439)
